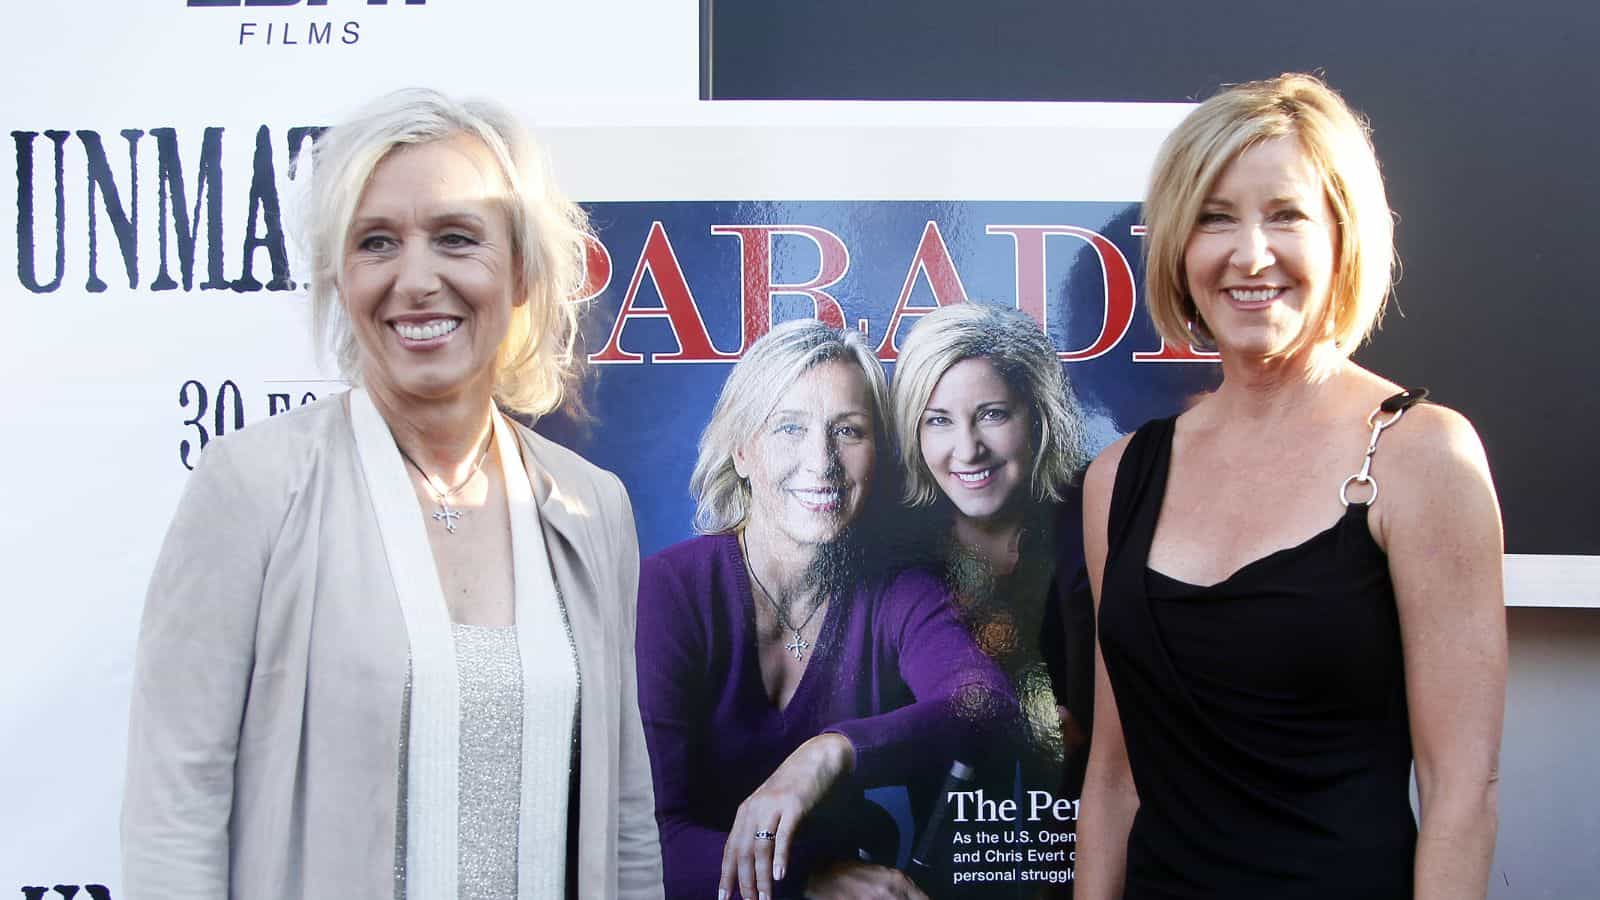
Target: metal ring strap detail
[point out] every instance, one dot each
(1379, 423)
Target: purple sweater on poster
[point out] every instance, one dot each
(894, 671)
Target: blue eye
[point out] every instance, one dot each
(995, 414)
(936, 421)
(790, 428)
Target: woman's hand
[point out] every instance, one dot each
(850, 880)
(1072, 734)
(776, 810)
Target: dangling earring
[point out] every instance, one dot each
(1199, 335)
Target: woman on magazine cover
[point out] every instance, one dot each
(1299, 578)
(991, 436)
(781, 669)
(387, 648)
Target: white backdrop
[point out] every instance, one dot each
(89, 417)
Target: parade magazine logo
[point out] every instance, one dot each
(290, 32)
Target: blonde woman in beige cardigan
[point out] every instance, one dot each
(387, 648)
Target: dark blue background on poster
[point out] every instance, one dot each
(647, 417)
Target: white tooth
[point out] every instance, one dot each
(436, 328)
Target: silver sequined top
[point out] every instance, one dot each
(490, 678)
(490, 681)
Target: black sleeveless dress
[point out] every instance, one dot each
(1264, 716)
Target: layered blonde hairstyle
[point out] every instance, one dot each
(751, 393)
(537, 366)
(1023, 356)
(1337, 143)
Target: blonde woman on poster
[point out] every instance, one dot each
(991, 438)
(387, 648)
(782, 668)
(1299, 578)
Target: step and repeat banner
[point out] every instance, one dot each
(155, 291)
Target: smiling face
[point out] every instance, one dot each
(428, 280)
(976, 439)
(1260, 260)
(810, 462)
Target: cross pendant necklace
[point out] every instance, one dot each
(442, 493)
(445, 514)
(797, 645)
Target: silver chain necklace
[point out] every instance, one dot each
(797, 645)
(441, 493)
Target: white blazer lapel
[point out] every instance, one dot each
(541, 628)
(434, 738)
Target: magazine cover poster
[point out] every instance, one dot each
(853, 432)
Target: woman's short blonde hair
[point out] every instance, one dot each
(537, 365)
(752, 392)
(1337, 143)
(1022, 354)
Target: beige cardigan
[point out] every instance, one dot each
(264, 735)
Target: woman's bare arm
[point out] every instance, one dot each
(1109, 797)
(1439, 522)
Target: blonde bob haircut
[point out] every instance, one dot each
(1022, 354)
(1338, 145)
(752, 392)
(536, 366)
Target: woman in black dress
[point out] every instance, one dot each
(1278, 638)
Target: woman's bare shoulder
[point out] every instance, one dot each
(1432, 439)
(1102, 472)
(1434, 477)
(1098, 484)
(1429, 447)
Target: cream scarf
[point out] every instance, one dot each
(433, 761)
